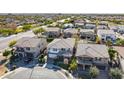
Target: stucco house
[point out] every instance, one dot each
(120, 29)
(87, 34)
(79, 23)
(70, 32)
(92, 55)
(61, 48)
(114, 28)
(102, 27)
(30, 47)
(90, 25)
(68, 25)
(53, 32)
(105, 35)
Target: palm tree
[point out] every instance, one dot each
(115, 73)
(97, 40)
(73, 65)
(93, 72)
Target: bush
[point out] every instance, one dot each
(112, 53)
(49, 40)
(7, 32)
(115, 73)
(41, 59)
(6, 53)
(93, 72)
(64, 66)
(26, 27)
(12, 43)
(119, 42)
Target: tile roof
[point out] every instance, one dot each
(54, 29)
(103, 31)
(71, 30)
(87, 30)
(28, 42)
(62, 43)
(92, 50)
(120, 50)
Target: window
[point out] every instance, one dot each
(63, 49)
(27, 48)
(39, 45)
(54, 49)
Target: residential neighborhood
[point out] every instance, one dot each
(61, 46)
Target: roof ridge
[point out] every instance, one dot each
(63, 41)
(92, 49)
(95, 51)
(28, 42)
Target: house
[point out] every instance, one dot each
(68, 25)
(79, 23)
(114, 28)
(61, 48)
(53, 32)
(120, 29)
(105, 35)
(90, 25)
(70, 32)
(87, 34)
(92, 55)
(120, 51)
(105, 23)
(30, 47)
(102, 27)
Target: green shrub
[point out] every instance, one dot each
(12, 43)
(49, 40)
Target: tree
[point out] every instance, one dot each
(73, 65)
(97, 40)
(38, 32)
(7, 32)
(115, 73)
(26, 27)
(6, 53)
(93, 72)
(12, 43)
(119, 42)
(41, 59)
(112, 53)
(109, 43)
